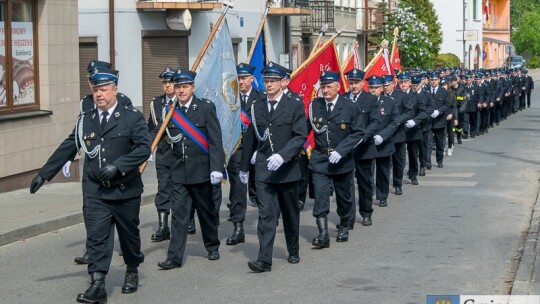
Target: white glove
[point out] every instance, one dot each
(215, 177)
(243, 177)
(254, 158)
(334, 157)
(274, 162)
(151, 158)
(410, 123)
(65, 169)
(378, 140)
(435, 114)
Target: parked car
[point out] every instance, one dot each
(515, 61)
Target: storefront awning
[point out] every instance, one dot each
(495, 40)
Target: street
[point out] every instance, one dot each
(459, 232)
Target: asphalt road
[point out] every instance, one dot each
(459, 232)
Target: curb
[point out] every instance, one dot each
(524, 276)
(54, 224)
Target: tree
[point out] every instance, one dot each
(526, 37)
(518, 8)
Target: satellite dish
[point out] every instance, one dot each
(179, 20)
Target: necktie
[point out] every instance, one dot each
(272, 105)
(433, 91)
(354, 98)
(184, 109)
(329, 108)
(244, 101)
(103, 123)
(170, 102)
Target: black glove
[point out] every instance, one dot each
(107, 173)
(37, 182)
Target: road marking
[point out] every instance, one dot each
(447, 183)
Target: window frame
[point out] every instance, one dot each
(10, 108)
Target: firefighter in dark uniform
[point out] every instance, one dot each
(484, 94)
(425, 147)
(276, 135)
(529, 86)
(197, 165)
(441, 102)
(460, 94)
(238, 190)
(384, 137)
(336, 124)
(413, 131)
(87, 105)
(366, 151)
(472, 105)
(163, 155)
(116, 142)
(405, 113)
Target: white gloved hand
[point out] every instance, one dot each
(254, 158)
(151, 158)
(65, 169)
(334, 157)
(435, 114)
(215, 177)
(410, 123)
(378, 140)
(274, 162)
(243, 177)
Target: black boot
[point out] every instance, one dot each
(163, 233)
(96, 293)
(322, 240)
(191, 228)
(238, 235)
(81, 260)
(343, 232)
(131, 280)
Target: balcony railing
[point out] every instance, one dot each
(497, 23)
(322, 13)
(369, 19)
(178, 4)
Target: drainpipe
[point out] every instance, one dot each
(112, 49)
(366, 24)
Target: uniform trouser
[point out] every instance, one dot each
(364, 179)
(493, 114)
(412, 153)
(201, 198)
(274, 198)
(398, 164)
(459, 128)
(450, 132)
(472, 122)
(529, 99)
(163, 195)
(382, 176)
(498, 111)
(515, 107)
(343, 184)
(238, 191)
(438, 135)
(522, 102)
(503, 107)
(424, 149)
(251, 185)
(111, 240)
(100, 216)
(303, 183)
(484, 112)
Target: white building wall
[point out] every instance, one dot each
(94, 22)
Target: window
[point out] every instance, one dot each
(475, 10)
(18, 63)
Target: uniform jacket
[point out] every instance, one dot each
(164, 148)
(405, 112)
(125, 142)
(419, 114)
(441, 102)
(529, 84)
(473, 98)
(389, 113)
(344, 132)
(483, 93)
(190, 163)
(370, 122)
(287, 132)
(430, 107)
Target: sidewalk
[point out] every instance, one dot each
(54, 206)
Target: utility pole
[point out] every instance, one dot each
(464, 42)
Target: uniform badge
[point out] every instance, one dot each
(117, 114)
(93, 115)
(317, 126)
(320, 119)
(343, 126)
(194, 107)
(84, 137)
(92, 135)
(382, 111)
(88, 143)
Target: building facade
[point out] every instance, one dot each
(39, 88)
(496, 32)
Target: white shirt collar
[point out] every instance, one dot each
(110, 111)
(187, 104)
(332, 101)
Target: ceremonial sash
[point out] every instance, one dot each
(245, 119)
(189, 129)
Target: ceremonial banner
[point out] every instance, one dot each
(306, 82)
(351, 62)
(380, 68)
(396, 62)
(258, 59)
(217, 81)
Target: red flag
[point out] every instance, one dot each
(396, 65)
(306, 82)
(351, 62)
(379, 68)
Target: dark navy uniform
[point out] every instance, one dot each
(253, 96)
(484, 94)
(284, 133)
(413, 135)
(441, 102)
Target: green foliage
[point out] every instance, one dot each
(445, 60)
(518, 8)
(533, 62)
(526, 37)
(424, 10)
